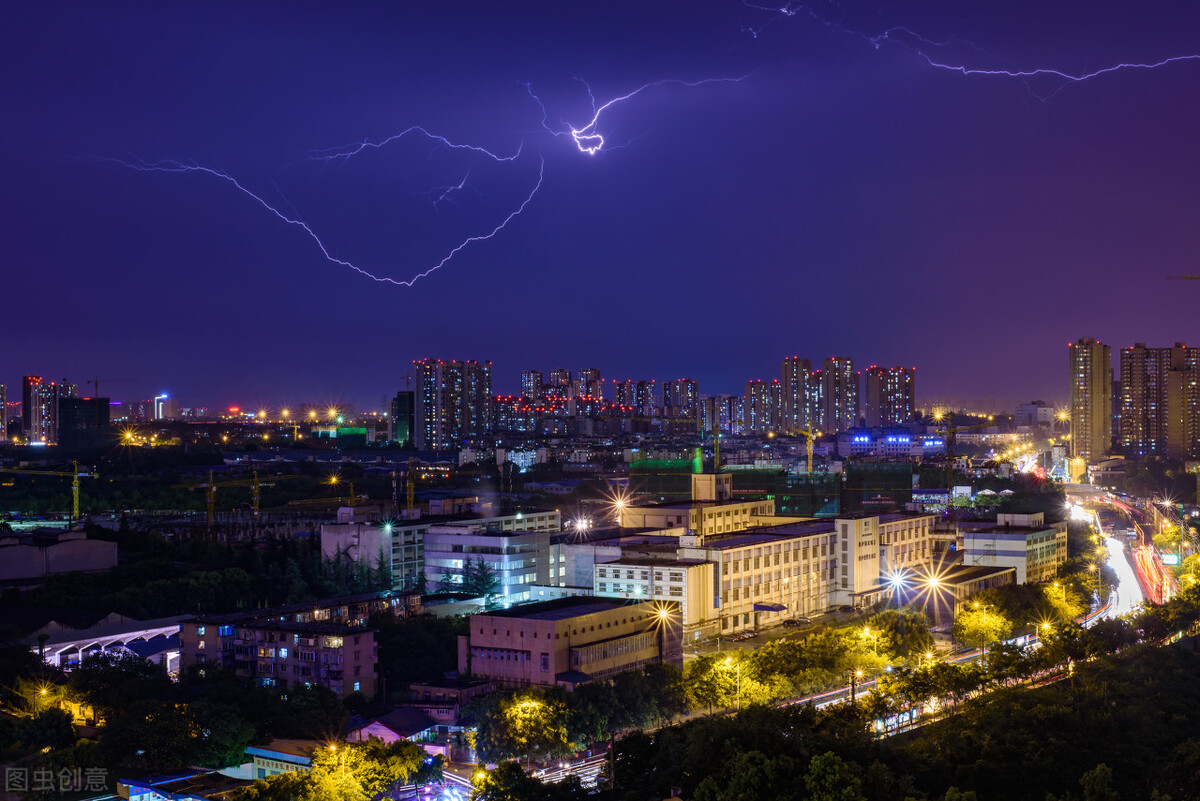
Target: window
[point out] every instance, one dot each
(283, 652)
(200, 630)
(200, 645)
(357, 686)
(545, 663)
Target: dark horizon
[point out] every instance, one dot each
(841, 190)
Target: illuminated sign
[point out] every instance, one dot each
(1170, 558)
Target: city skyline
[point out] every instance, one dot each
(699, 239)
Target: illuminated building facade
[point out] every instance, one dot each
(3, 413)
(532, 382)
(681, 399)
(39, 407)
(797, 410)
(1091, 398)
(453, 402)
(839, 386)
(1160, 401)
(590, 384)
(889, 395)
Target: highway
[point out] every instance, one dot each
(1128, 595)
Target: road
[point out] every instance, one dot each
(1128, 595)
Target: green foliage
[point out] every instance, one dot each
(111, 681)
(903, 633)
(350, 772)
(753, 774)
(50, 728)
(980, 625)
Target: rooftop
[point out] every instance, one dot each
(560, 608)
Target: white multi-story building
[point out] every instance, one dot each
(518, 559)
(402, 543)
(1026, 542)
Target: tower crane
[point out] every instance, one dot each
(74, 475)
(210, 492)
(811, 437)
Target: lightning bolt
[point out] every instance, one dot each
(345, 152)
(172, 166)
(587, 139)
(895, 35)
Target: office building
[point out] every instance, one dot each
(889, 395)
(402, 418)
(840, 394)
(1091, 402)
(518, 559)
(83, 422)
(532, 382)
(568, 641)
(165, 408)
(1160, 401)
(681, 399)
(454, 402)
(1034, 414)
(400, 545)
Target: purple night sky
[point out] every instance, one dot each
(845, 196)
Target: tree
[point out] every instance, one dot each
(980, 625)
(753, 774)
(111, 680)
(902, 632)
(830, 779)
(50, 728)
(528, 724)
(221, 734)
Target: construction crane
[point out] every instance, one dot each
(74, 475)
(210, 492)
(1184, 277)
(811, 437)
(95, 382)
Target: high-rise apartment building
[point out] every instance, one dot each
(82, 422)
(889, 395)
(1091, 403)
(681, 399)
(39, 407)
(454, 402)
(797, 375)
(644, 398)
(720, 411)
(763, 407)
(531, 385)
(590, 384)
(1160, 401)
(814, 399)
(560, 383)
(3, 413)
(839, 386)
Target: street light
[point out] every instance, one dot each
(855, 678)
(334, 748)
(874, 641)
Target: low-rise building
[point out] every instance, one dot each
(1027, 543)
(568, 641)
(278, 653)
(517, 559)
(281, 756)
